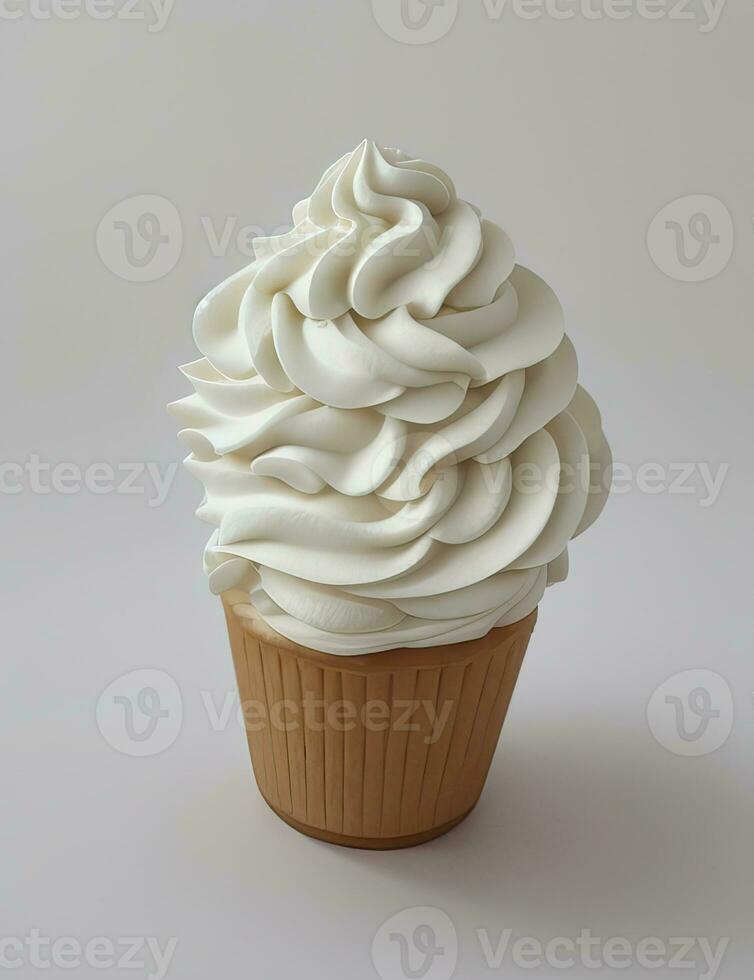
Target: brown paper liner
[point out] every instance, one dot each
(344, 748)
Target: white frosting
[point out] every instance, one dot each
(386, 419)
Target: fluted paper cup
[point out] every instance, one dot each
(379, 751)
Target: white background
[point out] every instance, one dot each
(573, 135)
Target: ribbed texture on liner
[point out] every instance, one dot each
(366, 783)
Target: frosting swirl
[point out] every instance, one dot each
(386, 419)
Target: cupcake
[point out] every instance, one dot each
(395, 454)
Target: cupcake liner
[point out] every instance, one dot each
(377, 751)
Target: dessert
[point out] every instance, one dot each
(387, 422)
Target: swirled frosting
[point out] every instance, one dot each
(386, 419)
